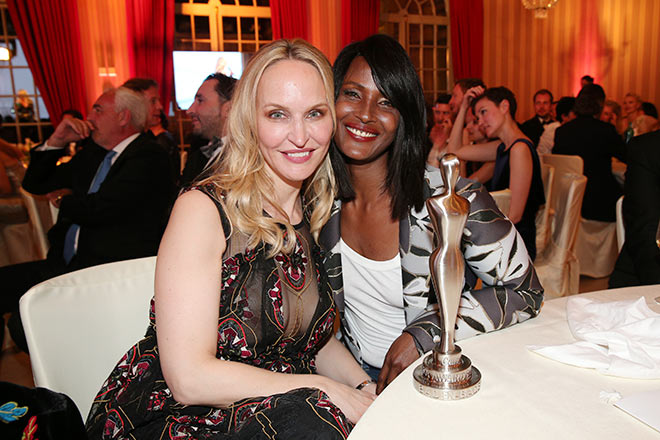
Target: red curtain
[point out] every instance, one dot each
(50, 37)
(150, 40)
(359, 19)
(289, 19)
(467, 37)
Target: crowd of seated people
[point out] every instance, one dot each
(304, 200)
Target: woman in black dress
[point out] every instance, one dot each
(517, 164)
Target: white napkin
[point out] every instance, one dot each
(619, 338)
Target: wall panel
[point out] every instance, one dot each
(615, 41)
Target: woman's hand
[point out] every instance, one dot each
(472, 93)
(352, 402)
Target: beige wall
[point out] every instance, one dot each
(615, 41)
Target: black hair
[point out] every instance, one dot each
(589, 101)
(396, 78)
(497, 95)
(589, 79)
(467, 83)
(649, 109)
(140, 84)
(564, 107)
(224, 85)
(443, 98)
(72, 112)
(543, 92)
(163, 120)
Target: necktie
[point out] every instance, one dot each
(70, 237)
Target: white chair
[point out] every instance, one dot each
(557, 266)
(620, 228)
(40, 219)
(543, 216)
(564, 163)
(502, 200)
(78, 325)
(596, 248)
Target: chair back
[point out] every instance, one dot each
(40, 220)
(620, 228)
(78, 325)
(567, 209)
(564, 163)
(557, 267)
(502, 200)
(543, 216)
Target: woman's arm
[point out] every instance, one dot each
(188, 282)
(484, 173)
(520, 179)
(337, 363)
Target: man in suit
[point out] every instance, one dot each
(208, 113)
(596, 142)
(113, 196)
(639, 260)
(533, 128)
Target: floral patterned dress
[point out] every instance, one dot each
(258, 296)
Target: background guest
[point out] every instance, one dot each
(208, 113)
(155, 119)
(166, 140)
(596, 142)
(533, 128)
(517, 165)
(639, 259)
(442, 122)
(565, 113)
(113, 196)
(612, 114)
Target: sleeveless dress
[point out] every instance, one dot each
(536, 197)
(253, 328)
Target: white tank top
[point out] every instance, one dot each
(373, 293)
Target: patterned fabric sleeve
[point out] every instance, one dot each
(493, 251)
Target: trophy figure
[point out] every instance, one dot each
(446, 374)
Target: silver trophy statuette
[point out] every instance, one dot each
(446, 374)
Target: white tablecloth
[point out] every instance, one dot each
(523, 395)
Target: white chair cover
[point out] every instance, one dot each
(596, 248)
(564, 163)
(502, 200)
(38, 209)
(557, 266)
(620, 229)
(543, 216)
(78, 325)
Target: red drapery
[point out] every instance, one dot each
(289, 19)
(467, 37)
(359, 19)
(150, 40)
(50, 37)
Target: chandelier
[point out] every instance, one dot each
(540, 7)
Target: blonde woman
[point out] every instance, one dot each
(242, 318)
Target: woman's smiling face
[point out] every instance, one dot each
(366, 120)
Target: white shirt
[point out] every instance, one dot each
(373, 294)
(547, 140)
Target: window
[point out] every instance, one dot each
(223, 25)
(23, 112)
(422, 28)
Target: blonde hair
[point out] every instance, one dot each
(240, 173)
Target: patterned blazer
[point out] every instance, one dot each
(493, 250)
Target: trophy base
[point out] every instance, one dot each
(447, 376)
